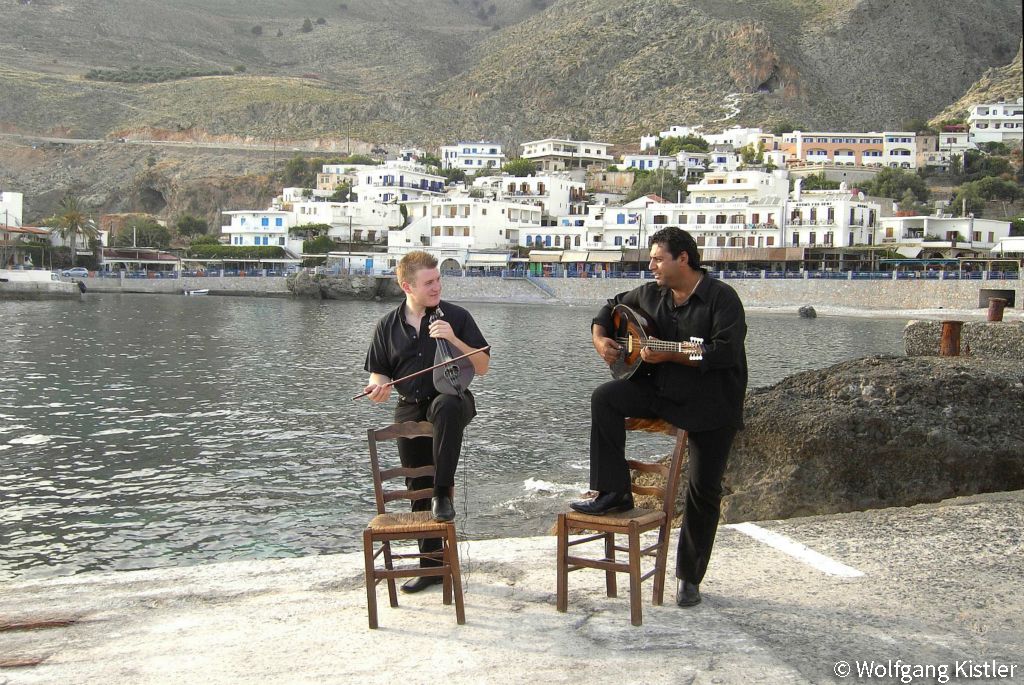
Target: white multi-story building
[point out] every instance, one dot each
(832, 218)
(1000, 122)
(737, 137)
(472, 157)
(11, 208)
(463, 231)
(559, 154)
(364, 220)
(650, 162)
(262, 227)
(556, 194)
(941, 236)
(397, 182)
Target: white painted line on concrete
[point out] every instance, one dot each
(797, 550)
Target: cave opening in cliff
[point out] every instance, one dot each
(153, 201)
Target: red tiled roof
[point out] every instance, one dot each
(30, 230)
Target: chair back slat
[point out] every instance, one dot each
(404, 472)
(408, 429)
(392, 495)
(671, 473)
(648, 467)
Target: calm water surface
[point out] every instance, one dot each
(140, 431)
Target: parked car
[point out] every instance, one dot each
(76, 272)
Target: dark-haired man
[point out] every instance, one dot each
(404, 342)
(705, 397)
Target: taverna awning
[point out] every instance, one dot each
(487, 260)
(574, 256)
(545, 257)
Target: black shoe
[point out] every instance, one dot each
(442, 509)
(687, 594)
(420, 583)
(604, 503)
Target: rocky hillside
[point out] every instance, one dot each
(1005, 82)
(435, 69)
(344, 75)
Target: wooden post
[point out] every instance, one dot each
(995, 308)
(949, 344)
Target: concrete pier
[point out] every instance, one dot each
(809, 600)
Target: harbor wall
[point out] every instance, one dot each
(867, 294)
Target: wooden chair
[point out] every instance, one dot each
(387, 527)
(629, 523)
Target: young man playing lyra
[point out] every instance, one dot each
(703, 396)
(406, 341)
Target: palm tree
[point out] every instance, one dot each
(72, 221)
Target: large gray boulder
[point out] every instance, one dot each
(343, 287)
(878, 432)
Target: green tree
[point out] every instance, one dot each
(189, 225)
(309, 231)
(319, 245)
(908, 203)
(307, 25)
(785, 126)
(1017, 226)
(342, 193)
(72, 222)
(968, 201)
(661, 182)
(454, 175)
(296, 172)
(520, 167)
(893, 183)
(204, 240)
(819, 182)
(675, 144)
(361, 159)
(993, 188)
(257, 30)
(431, 160)
(143, 233)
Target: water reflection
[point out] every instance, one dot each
(142, 431)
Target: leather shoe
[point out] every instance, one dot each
(420, 583)
(687, 594)
(604, 503)
(442, 509)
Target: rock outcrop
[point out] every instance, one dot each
(878, 432)
(997, 340)
(354, 287)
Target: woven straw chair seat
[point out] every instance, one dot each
(404, 522)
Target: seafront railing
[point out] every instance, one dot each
(570, 273)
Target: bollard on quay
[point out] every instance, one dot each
(995, 308)
(949, 344)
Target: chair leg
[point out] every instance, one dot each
(661, 562)
(635, 603)
(562, 569)
(371, 578)
(456, 575)
(609, 576)
(389, 565)
(446, 579)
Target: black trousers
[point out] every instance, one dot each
(450, 416)
(610, 404)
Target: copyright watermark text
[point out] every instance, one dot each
(903, 672)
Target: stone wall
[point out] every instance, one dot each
(875, 294)
(240, 285)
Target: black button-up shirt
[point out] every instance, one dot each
(398, 349)
(710, 395)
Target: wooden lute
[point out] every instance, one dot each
(634, 330)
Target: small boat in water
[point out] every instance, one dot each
(200, 291)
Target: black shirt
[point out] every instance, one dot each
(398, 349)
(710, 395)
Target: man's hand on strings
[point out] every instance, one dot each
(607, 348)
(442, 329)
(656, 356)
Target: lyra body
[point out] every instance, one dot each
(634, 330)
